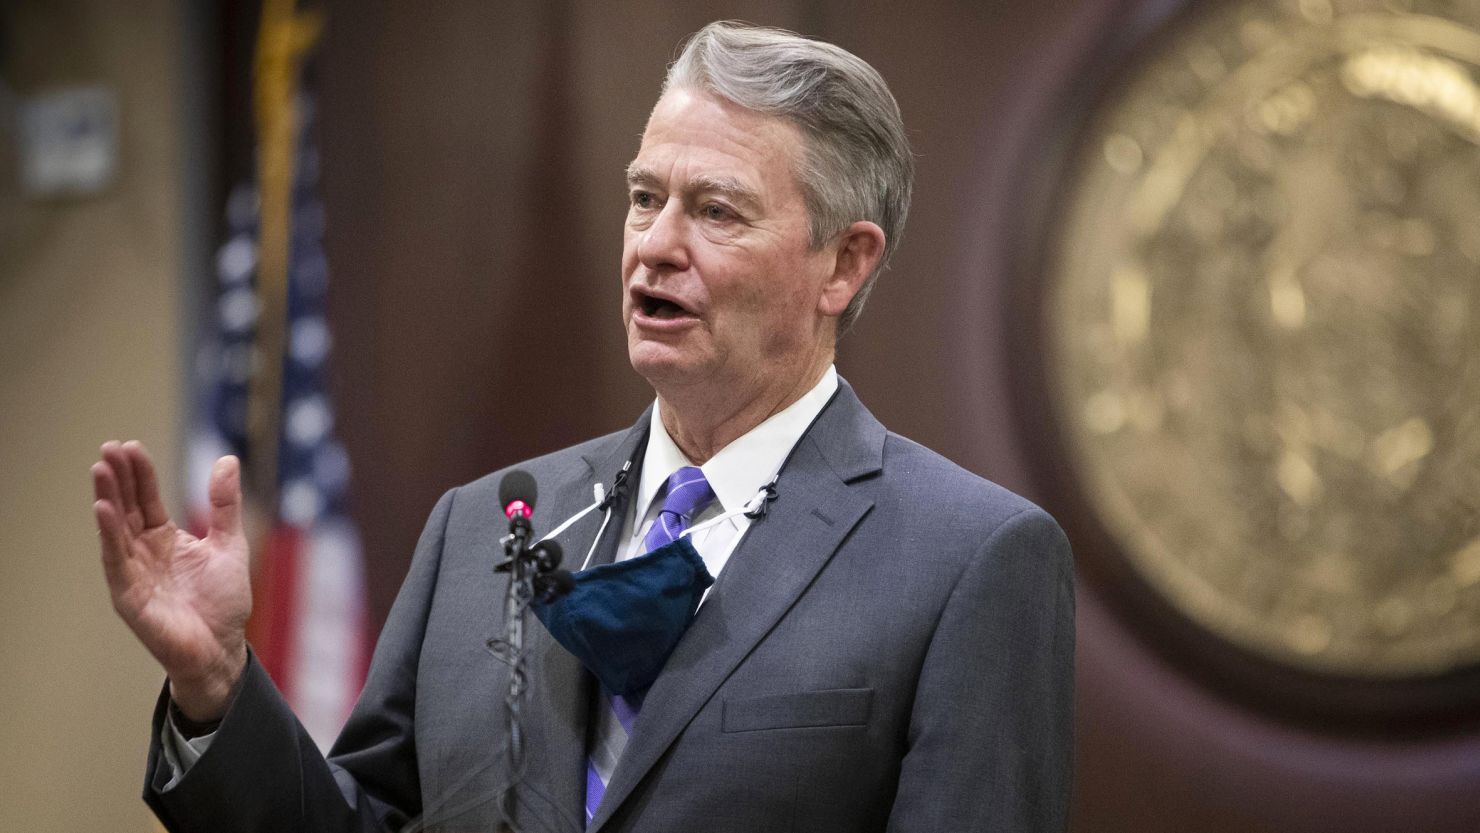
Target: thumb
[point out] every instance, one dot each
(226, 496)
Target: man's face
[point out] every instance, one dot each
(721, 284)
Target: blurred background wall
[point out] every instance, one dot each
(471, 160)
(91, 348)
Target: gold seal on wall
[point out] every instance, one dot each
(1263, 324)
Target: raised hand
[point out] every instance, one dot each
(186, 598)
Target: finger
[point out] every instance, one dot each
(105, 487)
(112, 540)
(123, 473)
(226, 496)
(147, 484)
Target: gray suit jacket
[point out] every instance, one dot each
(890, 648)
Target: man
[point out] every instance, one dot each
(888, 646)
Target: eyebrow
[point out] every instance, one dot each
(727, 186)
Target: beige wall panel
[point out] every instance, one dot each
(89, 320)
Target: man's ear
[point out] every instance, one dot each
(857, 251)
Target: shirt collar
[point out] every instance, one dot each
(741, 468)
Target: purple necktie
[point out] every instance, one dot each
(686, 494)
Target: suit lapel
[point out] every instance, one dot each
(606, 465)
(559, 698)
(781, 554)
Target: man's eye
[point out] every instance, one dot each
(643, 199)
(717, 212)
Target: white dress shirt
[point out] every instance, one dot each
(737, 474)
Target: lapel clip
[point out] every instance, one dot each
(762, 504)
(619, 486)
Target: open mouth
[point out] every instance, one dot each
(660, 308)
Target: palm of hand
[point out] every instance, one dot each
(186, 598)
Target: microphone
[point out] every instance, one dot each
(516, 494)
(552, 582)
(540, 563)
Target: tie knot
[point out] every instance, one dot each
(687, 490)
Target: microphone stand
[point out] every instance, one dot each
(516, 607)
(533, 573)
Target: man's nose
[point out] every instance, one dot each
(664, 243)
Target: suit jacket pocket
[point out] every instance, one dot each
(833, 707)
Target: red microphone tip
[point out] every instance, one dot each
(519, 508)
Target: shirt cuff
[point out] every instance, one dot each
(180, 752)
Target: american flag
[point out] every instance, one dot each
(308, 623)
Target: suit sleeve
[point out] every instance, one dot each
(263, 772)
(990, 743)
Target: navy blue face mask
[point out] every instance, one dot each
(623, 620)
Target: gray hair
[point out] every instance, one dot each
(857, 163)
